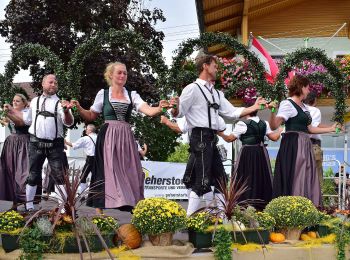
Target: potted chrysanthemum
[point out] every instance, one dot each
(11, 224)
(198, 233)
(159, 218)
(292, 214)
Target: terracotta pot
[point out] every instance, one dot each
(292, 233)
(164, 239)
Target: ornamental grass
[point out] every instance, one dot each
(154, 216)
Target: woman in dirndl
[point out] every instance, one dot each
(117, 179)
(253, 167)
(295, 168)
(14, 155)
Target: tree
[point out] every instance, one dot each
(63, 24)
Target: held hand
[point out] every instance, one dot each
(7, 107)
(75, 103)
(174, 102)
(164, 105)
(273, 105)
(260, 103)
(66, 105)
(337, 127)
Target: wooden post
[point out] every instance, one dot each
(244, 25)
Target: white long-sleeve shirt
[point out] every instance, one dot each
(45, 127)
(194, 106)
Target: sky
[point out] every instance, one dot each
(181, 23)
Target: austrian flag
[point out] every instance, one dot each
(265, 58)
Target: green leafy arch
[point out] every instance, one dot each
(334, 80)
(150, 52)
(21, 58)
(178, 75)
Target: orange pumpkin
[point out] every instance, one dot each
(277, 237)
(312, 234)
(129, 235)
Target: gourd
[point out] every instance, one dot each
(129, 235)
(277, 237)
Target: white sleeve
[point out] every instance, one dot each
(268, 128)
(27, 116)
(240, 128)
(227, 110)
(186, 99)
(222, 124)
(286, 110)
(80, 143)
(316, 118)
(136, 100)
(98, 103)
(60, 111)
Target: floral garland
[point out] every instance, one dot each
(308, 68)
(236, 79)
(317, 56)
(178, 76)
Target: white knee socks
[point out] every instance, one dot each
(82, 187)
(208, 198)
(30, 194)
(193, 203)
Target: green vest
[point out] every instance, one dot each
(300, 121)
(108, 111)
(255, 132)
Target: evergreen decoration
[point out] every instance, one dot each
(334, 81)
(70, 80)
(179, 77)
(21, 59)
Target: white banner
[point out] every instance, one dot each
(162, 179)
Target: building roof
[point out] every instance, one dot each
(273, 18)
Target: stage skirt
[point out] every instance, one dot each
(295, 169)
(117, 178)
(253, 168)
(14, 169)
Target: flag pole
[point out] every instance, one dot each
(274, 45)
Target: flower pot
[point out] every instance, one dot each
(164, 239)
(200, 239)
(292, 233)
(252, 236)
(9, 242)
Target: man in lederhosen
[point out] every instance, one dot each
(46, 137)
(88, 142)
(202, 105)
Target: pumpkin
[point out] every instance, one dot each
(305, 237)
(277, 237)
(129, 235)
(312, 234)
(238, 226)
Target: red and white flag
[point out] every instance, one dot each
(265, 58)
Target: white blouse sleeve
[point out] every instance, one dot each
(286, 110)
(136, 100)
(240, 128)
(27, 116)
(268, 128)
(98, 103)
